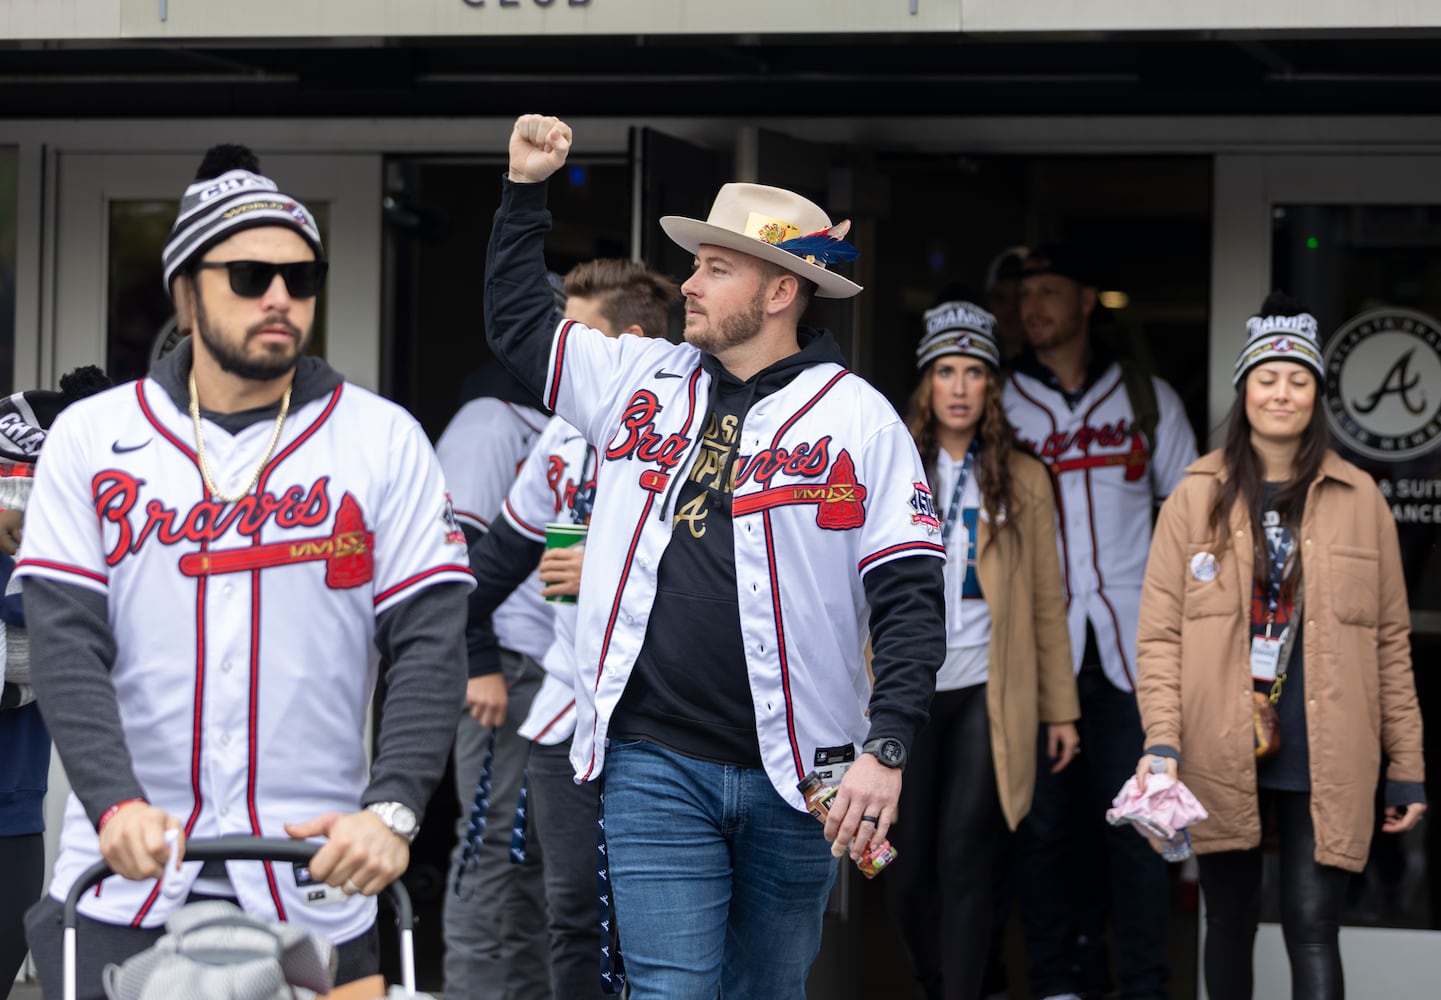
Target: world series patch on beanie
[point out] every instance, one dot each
(958, 328)
(1281, 331)
(25, 420)
(230, 194)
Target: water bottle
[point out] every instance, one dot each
(1178, 848)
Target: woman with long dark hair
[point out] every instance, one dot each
(1008, 657)
(1275, 662)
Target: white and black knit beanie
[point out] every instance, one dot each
(958, 327)
(25, 419)
(230, 194)
(1281, 331)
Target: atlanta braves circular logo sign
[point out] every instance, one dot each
(1383, 383)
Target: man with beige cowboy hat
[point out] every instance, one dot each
(763, 509)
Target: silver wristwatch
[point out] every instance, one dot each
(398, 816)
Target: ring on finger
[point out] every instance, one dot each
(872, 820)
(350, 888)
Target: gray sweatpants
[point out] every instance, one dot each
(495, 932)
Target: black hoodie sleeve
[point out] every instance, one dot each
(908, 643)
(501, 559)
(520, 314)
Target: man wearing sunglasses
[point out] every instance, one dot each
(216, 550)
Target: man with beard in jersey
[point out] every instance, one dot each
(764, 509)
(211, 557)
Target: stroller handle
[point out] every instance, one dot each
(296, 852)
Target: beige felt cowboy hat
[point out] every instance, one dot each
(754, 218)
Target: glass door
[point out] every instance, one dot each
(1358, 241)
(114, 213)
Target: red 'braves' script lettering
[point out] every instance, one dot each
(1105, 436)
(116, 493)
(641, 440)
(806, 459)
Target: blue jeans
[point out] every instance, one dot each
(718, 882)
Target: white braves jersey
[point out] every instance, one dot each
(1108, 484)
(480, 450)
(244, 631)
(829, 486)
(556, 483)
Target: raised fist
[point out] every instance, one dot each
(538, 147)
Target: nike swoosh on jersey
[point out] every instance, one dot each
(119, 448)
(662, 373)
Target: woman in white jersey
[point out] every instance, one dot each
(1008, 659)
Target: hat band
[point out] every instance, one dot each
(819, 248)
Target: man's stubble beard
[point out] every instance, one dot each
(734, 330)
(233, 359)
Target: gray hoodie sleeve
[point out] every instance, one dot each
(423, 640)
(71, 653)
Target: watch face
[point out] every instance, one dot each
(891, 752)
(403, 820)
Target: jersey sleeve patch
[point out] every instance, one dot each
(923, 507)
(453, 533)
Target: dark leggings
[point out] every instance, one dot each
(22, 873)
(1311, 899)
(946, 832)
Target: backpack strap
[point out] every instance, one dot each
(1145, 410)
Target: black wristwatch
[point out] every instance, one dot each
(889, 751)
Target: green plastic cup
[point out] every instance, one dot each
(562, 535)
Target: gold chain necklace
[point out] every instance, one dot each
(200, 444)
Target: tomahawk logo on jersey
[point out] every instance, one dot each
(825, 481)
(233, 686)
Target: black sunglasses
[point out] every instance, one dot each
(251, 278)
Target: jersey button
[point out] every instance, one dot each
(225, 739)
(225, 667)
(229, 589)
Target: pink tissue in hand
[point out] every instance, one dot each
(1165, 807)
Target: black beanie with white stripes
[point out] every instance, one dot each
(230, 194)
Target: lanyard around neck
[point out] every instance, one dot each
(962, 478)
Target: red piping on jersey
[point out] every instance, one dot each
(1096, 548)
(196, 731)
(252, 781)
(560, 339)
(690, 403)
(555, 721)
(610, 624)
(161, 429)
(64, 568)
(410, 581)
(776, 441)
(781, 638)
(1101, 589)
(252, 737)
(521, 522)
(891, 550)
(1015, 383)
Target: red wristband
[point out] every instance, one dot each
(108, 814)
